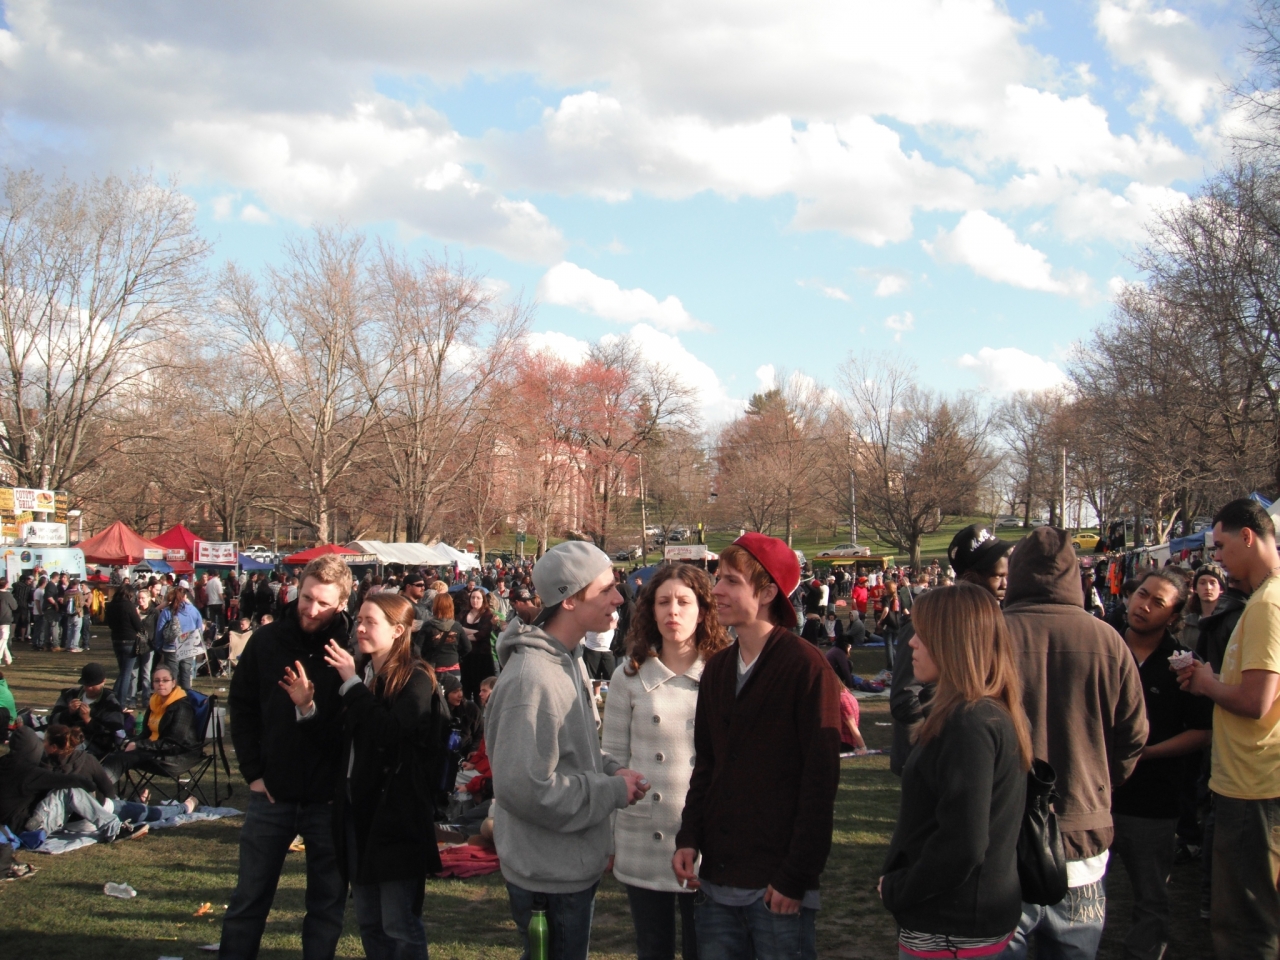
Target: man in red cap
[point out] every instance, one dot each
(767, 735)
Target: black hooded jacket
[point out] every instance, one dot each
(24, 782)
(296, 758)
(1215, 629)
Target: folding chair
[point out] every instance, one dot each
(233, 653)
(175, 785)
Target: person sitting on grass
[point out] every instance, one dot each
(838, 657)
(92, 707)
(62, 754)
(33, 797)
(169, 734)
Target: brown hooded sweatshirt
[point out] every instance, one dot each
(1081, 688)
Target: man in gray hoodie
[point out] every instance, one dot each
(555, 791)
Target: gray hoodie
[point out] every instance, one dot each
(554, 793)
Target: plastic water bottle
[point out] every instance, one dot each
(539, 932)
(121, 890)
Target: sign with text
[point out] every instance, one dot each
(152, 553)
(175, 556)
(218, 553)
(54, 534)
(36, 501)
(691, 551)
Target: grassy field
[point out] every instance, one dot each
(61, 911)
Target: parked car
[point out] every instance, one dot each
(1085, 541)
(1002, 522)
(675, 536)
(846, 550)
(624, 555)
(258, 552)
(653, 531)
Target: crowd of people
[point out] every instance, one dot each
(368, 715)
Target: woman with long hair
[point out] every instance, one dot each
(674, 630)
(179, 654)
(481, 628)
(951, 876)
(445, 642)
(383, 816)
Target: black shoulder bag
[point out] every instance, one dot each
(1042, 862)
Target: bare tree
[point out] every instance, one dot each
(93, 278)
(310, 334)
(919, 458)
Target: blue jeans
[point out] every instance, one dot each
(144, 674)
(268, 830)
(727, 933)
(390, 927)
(71, 632)
(568, 920)
(1070, 930)
(654, 914)
(59, 806)
(141, 813)
(126, 663)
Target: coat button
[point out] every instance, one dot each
(656, 718)
(659, 757)
(657, 836)
(657, 797)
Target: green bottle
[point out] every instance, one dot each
(539, 933)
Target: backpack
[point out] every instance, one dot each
(171, 635)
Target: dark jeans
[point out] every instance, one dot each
(654, 914)
(268, 830)
(728, 933)
(600, 663)
(1070, 930)
(1245, 906)
(144, 674)
(214, 616)
(1146, 847)
(568, 920)
(390, 927)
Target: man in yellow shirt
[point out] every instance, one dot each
(1245, 905)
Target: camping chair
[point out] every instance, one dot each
(168, 783)
(234, 651)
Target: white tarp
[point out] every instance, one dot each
(465, 561)
(409, 554)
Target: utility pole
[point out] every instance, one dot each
(853, 501)
(644, 521)
(1064, 488)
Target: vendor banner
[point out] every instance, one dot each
(54, 534)
(208, 551)
(175, 556)
(37, 501)
(152, 553)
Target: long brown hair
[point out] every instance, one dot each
(177, 597)
(644, 639)
(401, 662)
(964, 631)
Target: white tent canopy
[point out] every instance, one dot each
(465, 561)
(409, 554)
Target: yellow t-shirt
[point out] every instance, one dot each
(1246, 753)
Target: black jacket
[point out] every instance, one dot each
(469, 722)
(122, 617)
(1215, 629)
(388, 796)
(23, 781)
(22, 593)
(908, 700)
(444, 643)
(179, 733)
(297, 759)
(80, 763)
(106, 717)
(952, 864)
(247, 608)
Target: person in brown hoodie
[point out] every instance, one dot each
(1083, 696)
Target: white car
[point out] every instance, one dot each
(258, 552)
(846, 550)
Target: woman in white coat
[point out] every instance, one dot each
(648, 726)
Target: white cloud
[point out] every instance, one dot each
(1008, 369)
(559, 345)
(832, 293)
(991, 249)
(766, 377)
(1180, 58)
(1091, 212)
(251, 214)
(569, 285)
(890, 284)
(900, 324)
(715, 406)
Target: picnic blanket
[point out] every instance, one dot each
(64, 841)
(467, 860)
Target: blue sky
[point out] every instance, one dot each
(739, 187)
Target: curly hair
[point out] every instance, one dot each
(644, 640)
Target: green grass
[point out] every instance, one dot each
(61, 911)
